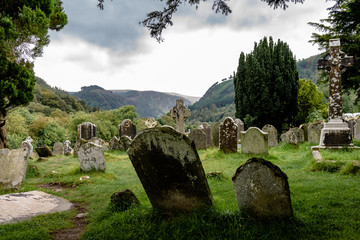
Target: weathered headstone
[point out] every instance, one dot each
(305, 127)
(86, 130)
(254, 141)
(27, 144)
(91, 157)
(293, 136)
(124, 199)
(114, 143)
(127, 128)
(180, 113)
(314, 131)
(215, 134)
(205, 127)
(58, 148)
(357, 130)
(273, 135)
(44, 151)
(228, 136)
(99, 141)
(124, 143)
(351, 123)
(240, 127)
(170, 171)
(199, 138)
(67, 148)
(151, 122)
(335, 132)
(262, 190)
(13, 165)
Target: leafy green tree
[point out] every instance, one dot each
(344, 23)
(310, 100)
(24, 26)
(266, 85)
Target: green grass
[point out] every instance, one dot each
(326, 205)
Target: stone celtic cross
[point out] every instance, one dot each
(180, 113)
(335, 63)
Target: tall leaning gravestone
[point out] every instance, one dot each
(170, 171)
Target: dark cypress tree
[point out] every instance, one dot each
(266, 85)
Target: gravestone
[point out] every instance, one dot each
(314, 131)
(170, 171)
(240, 128)
(44, 151)
(351, 123)
(67, 148)
(58, 148)
(335, 132)
(13, 165)
(114, 144)
(124, 199)
(305, 127)
(86, 130)
(254, 141)
(91, 157)
(357, 130)
(205, 127)
(27, 144)
(228, 136)
(180, 113)
(215, 134)
(127, 128)
(293, 136)
(124, 143)
(99, 141)
(262, 190)
(273, 135)
(199, 138)
(151, 122)
(18, 207)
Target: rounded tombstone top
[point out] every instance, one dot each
(126, 122)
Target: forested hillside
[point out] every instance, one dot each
(307, 68)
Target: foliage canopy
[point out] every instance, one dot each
(266, 85)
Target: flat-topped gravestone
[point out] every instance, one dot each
(205, 127)
(127, 128)
(13, 165)
(199, 138)
(170, 171)
(228, 136)
(215, 134)
(180, 113)
(293, 136)
(262, 190)
(151, 122)
(273, 135)
(18, 207)
(314, 131)
(254, 141)
(58, 148)
(86, 130)
(335, 132)
(91, 157)
(241, 126)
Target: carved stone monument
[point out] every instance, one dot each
(127, 128)
(199, 138)
(170, 171)
(180, 113)
(205, 127)
(228, 136)
(86, 130)
(254, 141)
(151, 122)
(335, 132)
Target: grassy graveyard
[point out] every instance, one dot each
(326, 203)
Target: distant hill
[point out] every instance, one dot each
(147, 103)
(307, 68)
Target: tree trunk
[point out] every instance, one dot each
(3, 140)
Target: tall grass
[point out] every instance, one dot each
(326, 205)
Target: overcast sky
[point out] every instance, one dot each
(110, 49)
